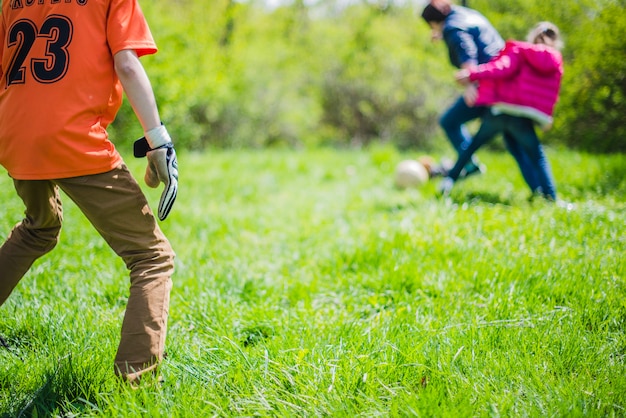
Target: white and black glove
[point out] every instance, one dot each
(162, 167)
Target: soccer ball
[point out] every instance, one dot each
(410, 173)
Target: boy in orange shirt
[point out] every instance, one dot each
(65, 66)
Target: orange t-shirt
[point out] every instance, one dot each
(59, 87)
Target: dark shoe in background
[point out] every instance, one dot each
(472, 169)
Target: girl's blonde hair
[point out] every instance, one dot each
(545, 33)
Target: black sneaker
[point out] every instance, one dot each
(443, 168)
(437, 171)
(472, 169)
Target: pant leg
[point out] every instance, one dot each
(490, 126)
(523, 162)
(34, 236)
(453, 123)
(115, 205)
(522, 130)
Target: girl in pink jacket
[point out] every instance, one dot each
(521, 86)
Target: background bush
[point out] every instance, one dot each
(241, 75)
(594, 106)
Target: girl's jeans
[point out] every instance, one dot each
(521, 132)
(115, 205)
(453, 123)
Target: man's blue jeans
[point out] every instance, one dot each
(453, 123)
(521, 132)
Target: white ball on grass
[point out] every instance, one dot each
(410, 173)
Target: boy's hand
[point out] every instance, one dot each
(162, 166)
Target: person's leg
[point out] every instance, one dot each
(34, 236)
(522, 130)
(546, 180)
(490, 126)
(453, 122)
(115, 205)
(523, 162)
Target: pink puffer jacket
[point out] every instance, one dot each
(524, 80)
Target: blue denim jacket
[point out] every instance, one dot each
(470, 37)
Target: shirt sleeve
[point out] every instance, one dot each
(127, 28)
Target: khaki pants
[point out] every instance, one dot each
(115, 205)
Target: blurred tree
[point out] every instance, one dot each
(229, 25)
(310, 72)
(593, 105)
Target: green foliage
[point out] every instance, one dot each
(235, 74)
(593, 108)
(306, 285)
(378, 85)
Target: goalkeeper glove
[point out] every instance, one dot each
(157, 146)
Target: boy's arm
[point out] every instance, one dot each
(156, 145)
(137, 87)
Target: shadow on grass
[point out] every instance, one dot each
(482, 197)
(472, 198)
(42, 404)
(54, 395)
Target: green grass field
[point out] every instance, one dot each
(307, 285)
